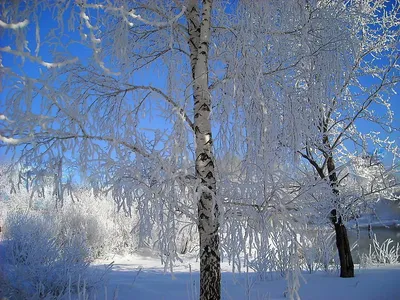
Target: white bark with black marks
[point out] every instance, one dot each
(208, 212)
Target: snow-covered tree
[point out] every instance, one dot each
(339, 67)
(90, 109)
(353, 78)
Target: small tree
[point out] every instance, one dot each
(347, 97)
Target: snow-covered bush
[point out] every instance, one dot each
(123, 239)
(104, 228)
(328, 255)
(107, 229)
(281, 242)
(381, 253)
(272, 251)
(74, 222)
(264, 263)
(37, 263)
(317, 249)
(309, 253)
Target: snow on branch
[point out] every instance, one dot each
(38, 60)
(14, 26)
(13, 141)
(132, 13)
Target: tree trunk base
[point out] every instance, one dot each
(343, 245)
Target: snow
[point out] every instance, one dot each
(14, 26)
(141, 276)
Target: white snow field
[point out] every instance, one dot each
(143, 277)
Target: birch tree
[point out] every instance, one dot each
(208, 210)
(80, 109)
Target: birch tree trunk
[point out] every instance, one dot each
(208, 213)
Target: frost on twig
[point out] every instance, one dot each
(14, 26)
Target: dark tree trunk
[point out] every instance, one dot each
(343, 246)
(342, 240)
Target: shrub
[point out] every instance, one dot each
(74, 222)
(317, 250)
(384, 253)
(37, 263)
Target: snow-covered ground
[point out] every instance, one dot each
(142, 277)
